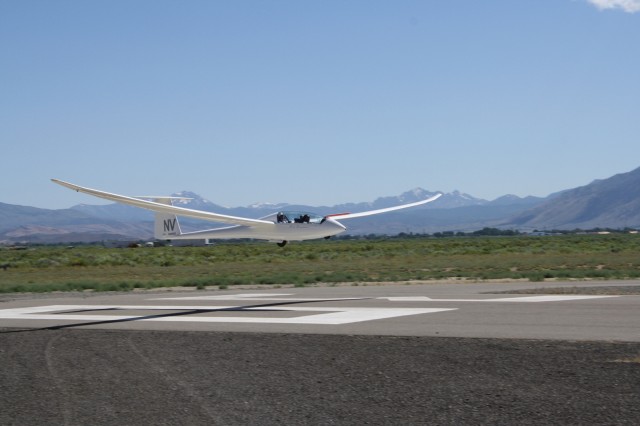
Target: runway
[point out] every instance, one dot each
(353, 355)
(445, 310)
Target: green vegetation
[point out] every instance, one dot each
(42, 269)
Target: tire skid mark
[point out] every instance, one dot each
(174, 380)
(63, 394)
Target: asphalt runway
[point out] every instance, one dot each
(452, 310)
(394, 354)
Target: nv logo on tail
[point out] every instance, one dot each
(166, 226)
(170, 225)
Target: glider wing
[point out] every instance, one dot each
(165, 208)
(341, 216)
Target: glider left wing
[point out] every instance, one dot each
(341, 216)
(165, 208)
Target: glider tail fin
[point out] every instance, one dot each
(166, 225)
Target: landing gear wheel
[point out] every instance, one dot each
(282, 244)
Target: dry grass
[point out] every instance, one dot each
(388, 260)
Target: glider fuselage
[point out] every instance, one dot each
(290, 229)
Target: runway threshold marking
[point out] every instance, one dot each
(310, 315)
(223, 314)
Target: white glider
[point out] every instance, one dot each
(278, 227)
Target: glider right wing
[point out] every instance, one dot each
(341, 216)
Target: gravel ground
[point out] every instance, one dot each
(98, 377)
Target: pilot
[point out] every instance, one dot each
(280, 217)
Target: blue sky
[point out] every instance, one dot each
(315, 102)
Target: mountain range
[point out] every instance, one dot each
(607, 203)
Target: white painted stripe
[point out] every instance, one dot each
(326, 316)
(281, 297)
(228, 296)
(535, 299)
(261, 297)
(520, 299)
(346, 316)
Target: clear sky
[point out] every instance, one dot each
(315, 102)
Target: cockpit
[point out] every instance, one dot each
(296, 217)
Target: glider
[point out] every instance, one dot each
(279, 227)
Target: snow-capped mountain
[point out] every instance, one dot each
(608, 202)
